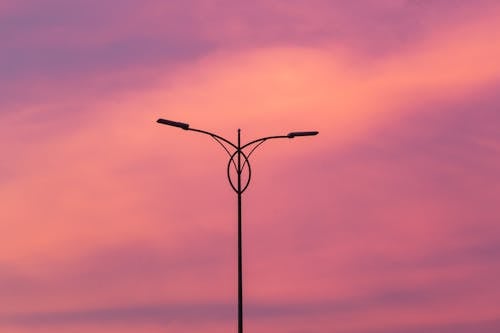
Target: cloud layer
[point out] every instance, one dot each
(385, 222)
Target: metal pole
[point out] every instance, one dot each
(240, 270)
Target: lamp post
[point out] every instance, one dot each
(239, 160)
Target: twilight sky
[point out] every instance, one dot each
(386, 222)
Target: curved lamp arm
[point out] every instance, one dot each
(186, 127)
(260, 141)
(290, 135)
(214, 136)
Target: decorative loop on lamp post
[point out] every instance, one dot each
(246, 165)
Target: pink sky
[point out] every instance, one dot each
(386, 222)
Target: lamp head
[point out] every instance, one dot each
(308, 133)
(184, 126)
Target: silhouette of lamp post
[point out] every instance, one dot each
(239, 161)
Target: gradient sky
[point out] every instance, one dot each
(386, 222)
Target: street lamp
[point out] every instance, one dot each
(238, 159)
